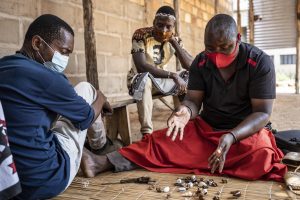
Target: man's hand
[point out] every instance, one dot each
(177, 122)
(167, 36)
(181, 84)
(217, 159)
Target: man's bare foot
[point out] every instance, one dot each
(92, 164)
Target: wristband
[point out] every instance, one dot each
(190, 110)
(233, 135)
(169, 74)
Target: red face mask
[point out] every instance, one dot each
(222, 60)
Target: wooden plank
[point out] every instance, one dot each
(90, 43)
(119, 124)
(124, 125)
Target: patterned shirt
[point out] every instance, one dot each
(157, 53)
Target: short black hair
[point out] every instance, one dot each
(166, 10)
(48, 27)
(222, 25)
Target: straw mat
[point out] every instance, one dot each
(91, 189)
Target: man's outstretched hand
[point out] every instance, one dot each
(177, 122)
(218, 157)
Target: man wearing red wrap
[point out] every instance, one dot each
(234, 83)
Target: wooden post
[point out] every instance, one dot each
(239, 24)
(90, 43)
(297, 76)
(177, 27)
(216, 6)
(251, 22)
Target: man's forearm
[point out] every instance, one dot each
(184, 57)
(193, 108)
(154, 71)
(253, 123)
(158, 73)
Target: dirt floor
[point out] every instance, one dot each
(286, 115)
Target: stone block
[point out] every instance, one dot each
(74, 80)
(117, 25)
(111, 6)
(79, 2)
(124, 84)
(126, 46)
(6, 51)
(9, 30)
(195, 11)
(99, 21)
(140, 2)
(25, 24)
(205, 16)
(81, 63)
(186, 6)
(134, 26)
(170, 2)
(188, 18)
(117, 64)
(26, 8)
(101, 63)
(107, 43)
(78, 18)
(79, 41)
(63, 10)
(110, 84)
(72, 65)
(135, 11)
(203, 6)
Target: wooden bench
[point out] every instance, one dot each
(119, 123)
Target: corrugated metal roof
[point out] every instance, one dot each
(277, 29)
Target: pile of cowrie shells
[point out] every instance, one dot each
(184, 186)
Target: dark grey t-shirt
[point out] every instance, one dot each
(228, 103)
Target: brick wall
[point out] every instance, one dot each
(115, 22)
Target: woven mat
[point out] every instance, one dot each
(91, 189)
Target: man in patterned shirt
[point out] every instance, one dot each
(152, 49)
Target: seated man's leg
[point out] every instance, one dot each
(145, 107)
(92, 164)
(72, 139)
(96, 134)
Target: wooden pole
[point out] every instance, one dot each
(176, 4)
(251, 22)
(90, 43)
(297, 76)
(239, 24)
(216, 6)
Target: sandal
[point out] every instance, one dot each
(291, 159)
(292, 180)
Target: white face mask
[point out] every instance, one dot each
(58, 63)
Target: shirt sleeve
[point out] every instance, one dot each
(263, 81)
(196, 81)
(138, 43)
(60, 97)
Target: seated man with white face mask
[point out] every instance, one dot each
(47, 119)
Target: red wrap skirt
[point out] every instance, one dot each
(256, 157)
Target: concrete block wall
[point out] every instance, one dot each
(115, 22)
